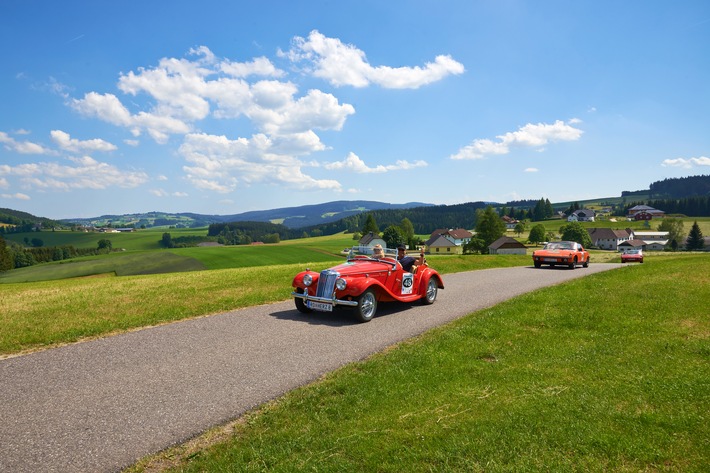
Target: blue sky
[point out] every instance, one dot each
(225, 107)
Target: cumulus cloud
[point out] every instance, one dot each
(343, 64)
(219, 164)
(686, 163)
(355, 164)
(83, 173)
(531, 170)
(66, 142)
(530, 136)
(22, 147)
(17, 196)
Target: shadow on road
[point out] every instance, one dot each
(340, 316)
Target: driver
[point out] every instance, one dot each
(408, 262)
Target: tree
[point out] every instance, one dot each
(574, 231)
(674, 227)
(489, 226)
(407, 231)
(370, 225)
(393, 236)
(167, 240)
(6, 262)
(474, 246)
(695, 238)
(519, 228)
(105, 244)
(537, 234)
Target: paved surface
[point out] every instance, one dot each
(104, 404)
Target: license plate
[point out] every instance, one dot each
(321, 306)
(550, 260)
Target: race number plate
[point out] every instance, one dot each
(320, 306)
(550, 260)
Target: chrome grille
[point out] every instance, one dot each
(326, 283)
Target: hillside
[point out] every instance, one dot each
(292, 217)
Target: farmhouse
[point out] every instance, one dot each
(509, 222)
(506, 245)
(608, 239)
(439, 244)
(581, 215)
(654, 241)
(644, 212)
(368, 241)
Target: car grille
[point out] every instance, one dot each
(326, 283)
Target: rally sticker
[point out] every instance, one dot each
(407, 283)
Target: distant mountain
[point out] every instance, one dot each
(292, 217)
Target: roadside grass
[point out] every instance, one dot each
(610, 372)
(46, 313)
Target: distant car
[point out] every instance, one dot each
(362, 282)
(632, 256)
(562, 253)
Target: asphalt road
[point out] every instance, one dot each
(102, 405)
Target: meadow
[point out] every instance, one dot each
(606, 373)
(610, 372)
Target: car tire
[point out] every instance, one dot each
(366, 306)
(301, 304)
(573, 264)
(538, 265)
(586, 264)
(431, 291)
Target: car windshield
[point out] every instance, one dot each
(362, 252)
(560, 245)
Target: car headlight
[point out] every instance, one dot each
(307, 280)
(341, 284)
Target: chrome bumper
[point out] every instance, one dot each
(324, 300)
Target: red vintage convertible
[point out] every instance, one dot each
(362, 282)
(562, 253)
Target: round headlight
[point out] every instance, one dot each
(341, 284)
(307, 279)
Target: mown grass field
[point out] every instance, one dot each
(610, 372)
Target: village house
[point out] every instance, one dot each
(368, 241)
(654, 241)
(509, 222)
(440, 244)
(644, 212)
(506, 245)
(608, 239)
(581, 215)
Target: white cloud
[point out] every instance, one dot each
(686, 163)
(530, 135)
(355, 164)
(17, 195)
(531, 170)
(64, 141)
(23, 147)
(219, 164)
(85, 173)
(344, 64)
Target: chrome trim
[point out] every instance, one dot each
(325, 300)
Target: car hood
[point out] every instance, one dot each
(359, 267)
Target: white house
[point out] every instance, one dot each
(608, 239)
(581, 215)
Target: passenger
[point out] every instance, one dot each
(408, 262)
(378, 252)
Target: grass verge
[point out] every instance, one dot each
(610, 372)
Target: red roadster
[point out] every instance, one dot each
(363, 281)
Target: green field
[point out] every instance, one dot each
(607, 373)
(610, 372)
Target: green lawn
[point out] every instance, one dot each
(610, 372)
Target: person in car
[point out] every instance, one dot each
(409, 262)
(378, 251)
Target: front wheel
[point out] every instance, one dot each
(573, 264)
(431, 292)
(301, 304)
(366, 306)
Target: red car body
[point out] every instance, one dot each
(562, 253)
(632, 256)
(363, 281)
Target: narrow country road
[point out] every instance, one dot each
(102, 405)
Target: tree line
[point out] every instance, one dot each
(13, 255)
(680, 187)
